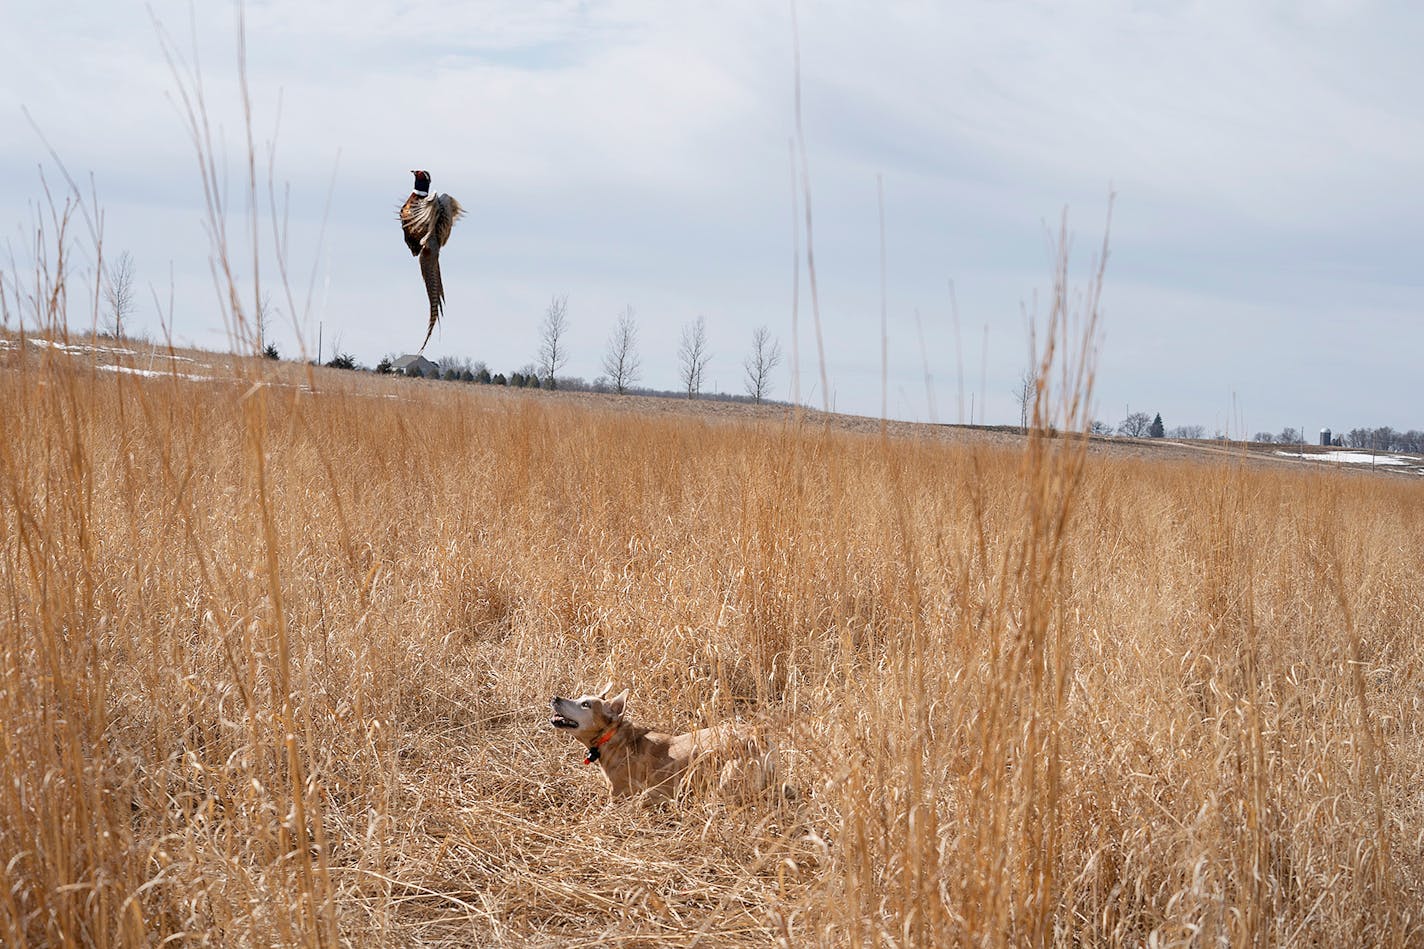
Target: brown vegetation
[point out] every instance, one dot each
(275, 668)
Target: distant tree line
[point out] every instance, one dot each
(622, 363)
(462, 369)
(1142, 425)
(1372, 439)
(1384, 439)
(1287, 436)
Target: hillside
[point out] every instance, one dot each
(150, 360)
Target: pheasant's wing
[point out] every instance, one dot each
(412, 223)
(429, 220)
(444, 214)
(434, 289)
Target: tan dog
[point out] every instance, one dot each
(653, 764)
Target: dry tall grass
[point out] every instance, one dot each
(275, 666)
(275, 652)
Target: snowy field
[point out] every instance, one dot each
(1352, 457)
(155, 357)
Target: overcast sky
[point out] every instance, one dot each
(1267, 159)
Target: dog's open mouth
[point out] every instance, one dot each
(559, 721)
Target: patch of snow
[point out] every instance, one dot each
(1348, 457)
(154, 373)
(80, 347)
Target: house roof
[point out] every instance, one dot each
(408, 360)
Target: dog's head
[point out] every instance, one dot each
(588, 716)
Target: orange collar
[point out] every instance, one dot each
(602, 740)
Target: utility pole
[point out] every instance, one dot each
(318, 342)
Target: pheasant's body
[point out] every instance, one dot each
(426, 220)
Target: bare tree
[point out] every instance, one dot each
(120, 293)
(1136, 425)
(621, 362)
(530, 374)
(1188, 431)
(458, 363)
(552, 353)
(693, 355)
(1099, 427)
(764, 358)
(1024, 393)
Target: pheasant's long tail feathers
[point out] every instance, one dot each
(434, 289)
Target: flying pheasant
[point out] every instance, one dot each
(426, 220)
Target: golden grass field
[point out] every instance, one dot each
(276, 664)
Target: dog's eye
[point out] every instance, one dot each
(585, 704)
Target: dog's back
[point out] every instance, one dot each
(730, 757)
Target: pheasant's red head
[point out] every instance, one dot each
(422, 180)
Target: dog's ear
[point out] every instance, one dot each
(614, 706)
(603, 692)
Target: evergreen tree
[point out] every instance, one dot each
(1157, 431)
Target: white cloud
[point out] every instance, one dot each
(1265, 157)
